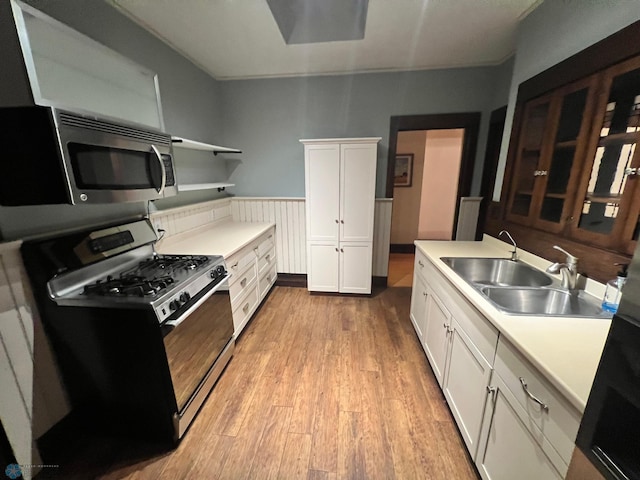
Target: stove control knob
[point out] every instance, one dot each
(220, 270)
(213, 274)
(173, 306)
(184, 297)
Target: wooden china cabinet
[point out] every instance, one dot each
(573, 173)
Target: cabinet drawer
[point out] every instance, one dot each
(244, 309)
(421, 264)
(265, 244)
(266, 279)
(266, 261)
(243, 281)
(238, 262)
(559, 421)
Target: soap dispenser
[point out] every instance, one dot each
(613, 292)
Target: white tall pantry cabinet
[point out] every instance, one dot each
(340, 182)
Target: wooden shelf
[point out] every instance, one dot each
(567, 144)
(527, 193)
(619, 138)
(561, 196)
(604, 199)
(204, 186)
(179, 142)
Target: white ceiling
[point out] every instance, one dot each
(233, 39)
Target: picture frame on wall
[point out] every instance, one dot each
(403, 172)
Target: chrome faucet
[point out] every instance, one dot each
(514, 252)
(568, 269)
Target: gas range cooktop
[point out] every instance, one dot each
(150, 277)
(121, 269)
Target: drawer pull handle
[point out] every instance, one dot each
(270, 236)
(255, 249)
(420, 263)
(243, 282)
(245, 309)
(424, 294)
(268, 257)
(543, 405)
(235, 265)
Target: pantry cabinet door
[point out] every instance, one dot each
(355, 267)
(322, 267)
(322, 183)
(357, 192)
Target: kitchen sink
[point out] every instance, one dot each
(519, 289)
(497, 272)
(544, 301)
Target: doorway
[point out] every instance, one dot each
(440, 153)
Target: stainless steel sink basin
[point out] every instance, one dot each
(544, 302)
(497, 271)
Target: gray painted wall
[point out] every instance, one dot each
(553, 32)
(266, 118)
(191, 105)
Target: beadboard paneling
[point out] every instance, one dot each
(289, 216)
(381, 236)
(468, 218)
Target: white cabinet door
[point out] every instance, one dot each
(357, 191)
(355, 267)
(322, 267)
(436, 335)
(508, 449)
(419, 306)
(465, 385)
(322, 183)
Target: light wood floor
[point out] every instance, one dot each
(321, 387)
(400, 269)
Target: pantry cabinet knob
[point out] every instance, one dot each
(341, 221)
(336, 220)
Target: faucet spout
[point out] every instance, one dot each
(514, 252)
(568, 270)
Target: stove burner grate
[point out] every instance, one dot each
(128, 286)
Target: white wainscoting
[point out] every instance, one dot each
(468, 218)
(289, 216)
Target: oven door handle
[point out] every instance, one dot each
(200, 301)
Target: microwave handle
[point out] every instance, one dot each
(164, 171)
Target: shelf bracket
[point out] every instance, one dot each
(221, 189)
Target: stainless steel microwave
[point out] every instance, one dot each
(52, 156)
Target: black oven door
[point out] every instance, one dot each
(198, 346)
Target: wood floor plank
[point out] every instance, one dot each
(325, 424)
(266, 462)
(351, 463)
(295, 458)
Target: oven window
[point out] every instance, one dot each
(106, 168)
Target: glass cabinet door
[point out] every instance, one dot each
(530, 151)
(552, 141)
(609, 209)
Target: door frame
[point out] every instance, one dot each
(469, 121)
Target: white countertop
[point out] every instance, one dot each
(223, 238)
(565, 350)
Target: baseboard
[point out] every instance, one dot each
(292, 280)
(379, 281)
(402, 248)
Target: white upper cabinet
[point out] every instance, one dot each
(70, 70)
(322, 184)
(358, 183)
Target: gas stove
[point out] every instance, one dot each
(138, 278)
